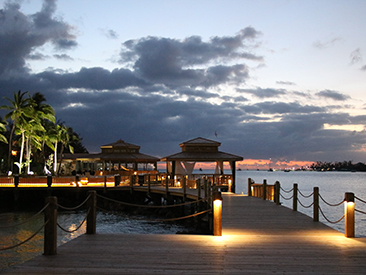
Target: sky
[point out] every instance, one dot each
(271, 80)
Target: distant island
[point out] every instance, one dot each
(338, 166)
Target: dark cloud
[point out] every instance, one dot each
(63, 57)
(333, 95)
(20, 35)
(263, 93)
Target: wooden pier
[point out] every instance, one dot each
(259, 237)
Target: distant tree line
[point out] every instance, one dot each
(30, 137)
(338, 166)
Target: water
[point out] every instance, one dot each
(332, 186)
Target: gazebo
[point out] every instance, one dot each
(200, 150)
(118, 157)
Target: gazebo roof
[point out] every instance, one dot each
(201, 150)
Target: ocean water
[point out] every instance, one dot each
(332, 187)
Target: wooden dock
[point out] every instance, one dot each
(259, 237)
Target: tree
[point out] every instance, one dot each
(18, 111)
(3, 129)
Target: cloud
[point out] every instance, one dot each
(363, 68)
(21, 35)
(63, 57)
(285, 83)
(111, 34)
(356, 56)
(264, 93)
(325, 44)
(333, 95)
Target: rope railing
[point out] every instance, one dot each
(150, 206)
(78, 227)
(287, 191)
(305, 206)
(305, 196)
(361, 200)
(76, 207)
(359, 211)
(327, 203)
(26, 240)
(333, 222)
(289, 198)
(27, 220)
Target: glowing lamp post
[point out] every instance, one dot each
(349, 215)
(217, 213)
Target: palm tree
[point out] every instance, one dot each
(18, 111)
(63, 137)
(3, 129)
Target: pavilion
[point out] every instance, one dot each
(119, 157)
(200, 150)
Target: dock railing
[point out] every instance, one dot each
(273, 192)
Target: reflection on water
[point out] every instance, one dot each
(106, 223)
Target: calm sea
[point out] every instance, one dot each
(332, 186)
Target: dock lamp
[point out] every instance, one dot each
(217, 213)
(349, 215)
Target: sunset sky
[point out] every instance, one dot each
(281, 80)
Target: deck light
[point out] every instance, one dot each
(349, 215)
(217, 213)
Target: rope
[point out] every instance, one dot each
(360, 211)
(76, 207)
(360, 199)
(77, 228)
(163, 220)
(23, 242)
(27, 220)
(149, 206)
(286, 198)
(321, 211)
(305, 195)
(304, 205)
(337, 204)
(287, 191)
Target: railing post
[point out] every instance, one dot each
(49, 180)
(117, 180)
(349, 215)
(50, 229)
(277, 193)
(264, 189)
(91, 220)
(198, 184)
(316, 205)
(294, 198)
(16, 180)
(148, 184)
(217, 213)
(105, 184)
(184, 182)
(249, 187)
(167, 186)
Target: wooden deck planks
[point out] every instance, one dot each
(258, 238)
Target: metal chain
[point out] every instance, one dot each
(27, 220)
(76, 207)
(23, 242)
(321, 211)
(149, 206)
(77, 228)
(337, 204)
(304, 205)
(360, 199)
(305, 195)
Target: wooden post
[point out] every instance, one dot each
(184, 182)
(117, 180)
(264, 189)
(205, 186)
(294, 197)
(198, 184)
(105, 185)
(16, 180)
(50, 229)
(217, 213)
(91, 220)
(249, 187)
(148, 184)
(316, 205)
(349, 215)
(49, 180)
(277, 193)
(167, 186)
